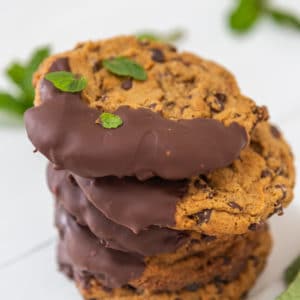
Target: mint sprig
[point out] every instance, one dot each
(292, 271)
(293, 291)
(292, 279)
(20, 75)
(109, 120)
(247, 13)
(67, 81)
(123, 66)
(169, 37)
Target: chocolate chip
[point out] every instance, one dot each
(216, 102)
(170, 104)
(275, 132)
(152, 105)
(204, 178)
(279, 210)
(35, 150)
(97, 66)
(184, 108)
(226, 260)
(233, 204)
(200, 184)
(257, 147)
(158, 55)
(219, 284)
(212, 194)
(207, 238)
(126, 84)
(130, 287)
(255, 259)
(280, 171)
(203, 216)
(283, 189)
(221, 97)
(255, 226)
(219, 279)
(172, 48)
(265, 173)
(193, 287)
(261, 112)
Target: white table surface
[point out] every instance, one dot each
(266, 63)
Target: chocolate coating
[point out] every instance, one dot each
(82, 249)
(154, 240)
(132, 203)
(63, 128)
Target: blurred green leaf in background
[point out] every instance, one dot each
(20, 98)
(246, 14)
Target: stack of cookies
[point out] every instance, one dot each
(170, 199)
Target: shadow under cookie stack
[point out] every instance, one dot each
(172, 203)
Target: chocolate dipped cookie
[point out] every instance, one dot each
(163, 173)
(186, 117)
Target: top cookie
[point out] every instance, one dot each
(187, 118)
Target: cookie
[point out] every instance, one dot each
(184, 98)
(152, 241)
(231, 200)
(235, 290)
(82, 251)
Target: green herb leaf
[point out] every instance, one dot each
(284, 18)
(109, 120)
(16, 72)
(123, 66)
(292, 271)
(67, 81)
(293, 291)
(10, 104)
(246, 14)
(20, 75)
(171, 37)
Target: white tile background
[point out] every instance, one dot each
(266, 62)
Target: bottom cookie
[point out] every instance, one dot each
(217, 289)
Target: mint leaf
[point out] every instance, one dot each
(293, 291)
(67, 81)
(16, 73)
(10, 104)
(36, 58)
(245, 15)
(148, 36)
(171, 37)
(108, 120)
(123, 66)
(284, 18)
(292, 271)
(20, 74)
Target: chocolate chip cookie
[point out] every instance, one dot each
(186, 118)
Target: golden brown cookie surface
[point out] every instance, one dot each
(232, 290)
(179, 85)
(240, 197)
